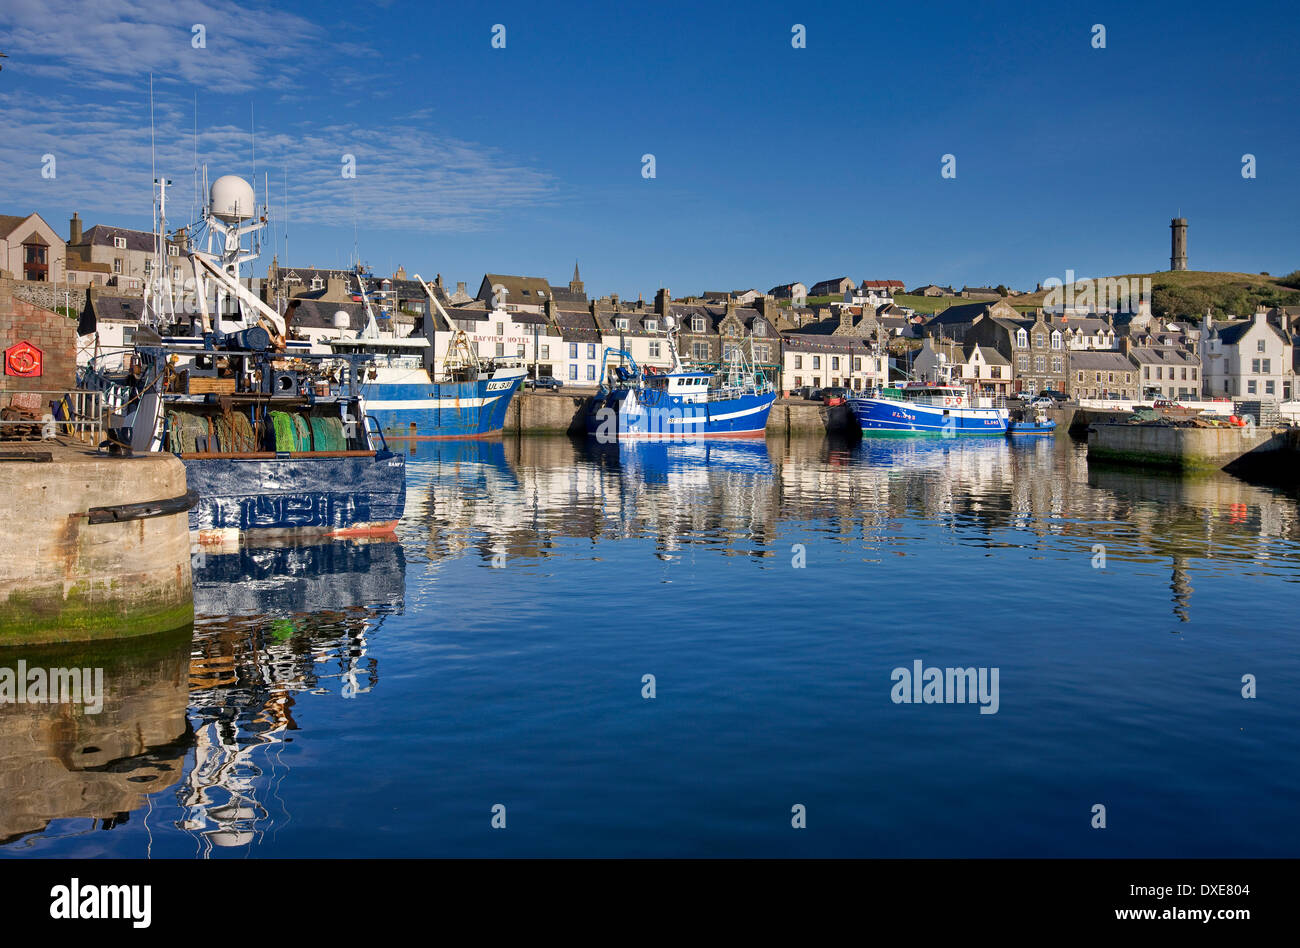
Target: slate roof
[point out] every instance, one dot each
(1162, 356)
(520, 290)
(315, 314)
(1106, 360)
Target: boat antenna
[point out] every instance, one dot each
(194, 204)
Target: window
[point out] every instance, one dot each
(817, 363)
(1110, 376)
(1038, 340)
(1259, 346)
(317, 283)
(835, 363)
(501, 328)
(697, 324)
(1098, 374)
(1056, 340)
(591, 350)
(1022, 339)
(128, 335)
(1193, 373)
(520, 353)
(621, 323)
(760, 328)
(798, 381)
(700, 351)
(1058, 364)
(573, 351)
(591, 373)
(1268, 387)
(1254, 366)
(35, 262)
(176, 273)
(573, 372)
(798, 362)
(1081, 376)
(120, 244)
(1040, 363)
(1268, 366)
(117, 265)
(654, 350)
(652, 325)
(546, 352)
(1022, 363)
(501, 349)
(1184, 373)
(1250, 387)
(173, 250)
(762, 354)
(1160, 372)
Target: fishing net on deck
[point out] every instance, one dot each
(327, 434)
(184, 430)
(301, 433)
(235, 432)
(282, 421)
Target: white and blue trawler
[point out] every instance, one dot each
(636, 402)
(409, 396)
(922, 407)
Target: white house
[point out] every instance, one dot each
(1248, 359)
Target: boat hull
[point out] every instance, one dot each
(358, 495)
(1029, 428)
(887, 415)
(622, 416)
(441, 409)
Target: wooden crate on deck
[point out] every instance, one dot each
(200, 385)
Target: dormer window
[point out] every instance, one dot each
(760, 329)
(651, 325)
(317, 283)
(173, 251)
(697, 324)
(1022, 339)
(1056, 340)
(119, 243)
(621, 323)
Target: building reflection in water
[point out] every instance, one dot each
(523, 496)
(64, 762)
(273, 623)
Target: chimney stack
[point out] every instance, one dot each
(662, 299)
(74, 229)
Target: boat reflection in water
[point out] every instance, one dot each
(272, 623)
(76, 761)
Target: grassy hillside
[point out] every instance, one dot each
(1190, 292)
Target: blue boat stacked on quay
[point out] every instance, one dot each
(635, 402)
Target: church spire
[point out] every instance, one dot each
(575, 285)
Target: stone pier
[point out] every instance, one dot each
(66, 578)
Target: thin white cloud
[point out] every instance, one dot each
(408, 176)
(102, 44)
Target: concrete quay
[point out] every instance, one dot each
(89, 549)
(1187, 448)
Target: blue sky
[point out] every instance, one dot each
(772, 163)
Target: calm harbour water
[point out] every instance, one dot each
(379, 699)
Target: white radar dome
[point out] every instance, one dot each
(342, 320)
(670, 321)
(232, 198)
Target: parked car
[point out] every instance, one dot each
(1054, 395)
(545, 381)
(1042, 401)
(803, 391)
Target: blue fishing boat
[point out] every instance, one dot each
(928, 408)
(682, 403)
(274, 443)
(410, 396)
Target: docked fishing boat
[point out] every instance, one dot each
(410, 396)
(634, 402)
(919, 407)
(273, 443)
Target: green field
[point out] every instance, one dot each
(1190, 293)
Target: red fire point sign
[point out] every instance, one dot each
(23, 359)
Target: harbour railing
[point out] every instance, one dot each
(46, 414)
